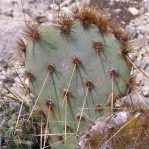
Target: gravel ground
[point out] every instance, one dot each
(12, 23)
(139, 31)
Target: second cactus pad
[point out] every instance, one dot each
(77, 67)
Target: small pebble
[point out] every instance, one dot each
(133, 10)
(145, 91)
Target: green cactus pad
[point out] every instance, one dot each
(75, 75)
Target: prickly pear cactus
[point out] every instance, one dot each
(77, 68)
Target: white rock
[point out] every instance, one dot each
(54, 7)
(117, 10)
(133, 10)
(2, 77)
(50, 17)
(66, 10)
(17, 79)
(65, 3)
(145, 91)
